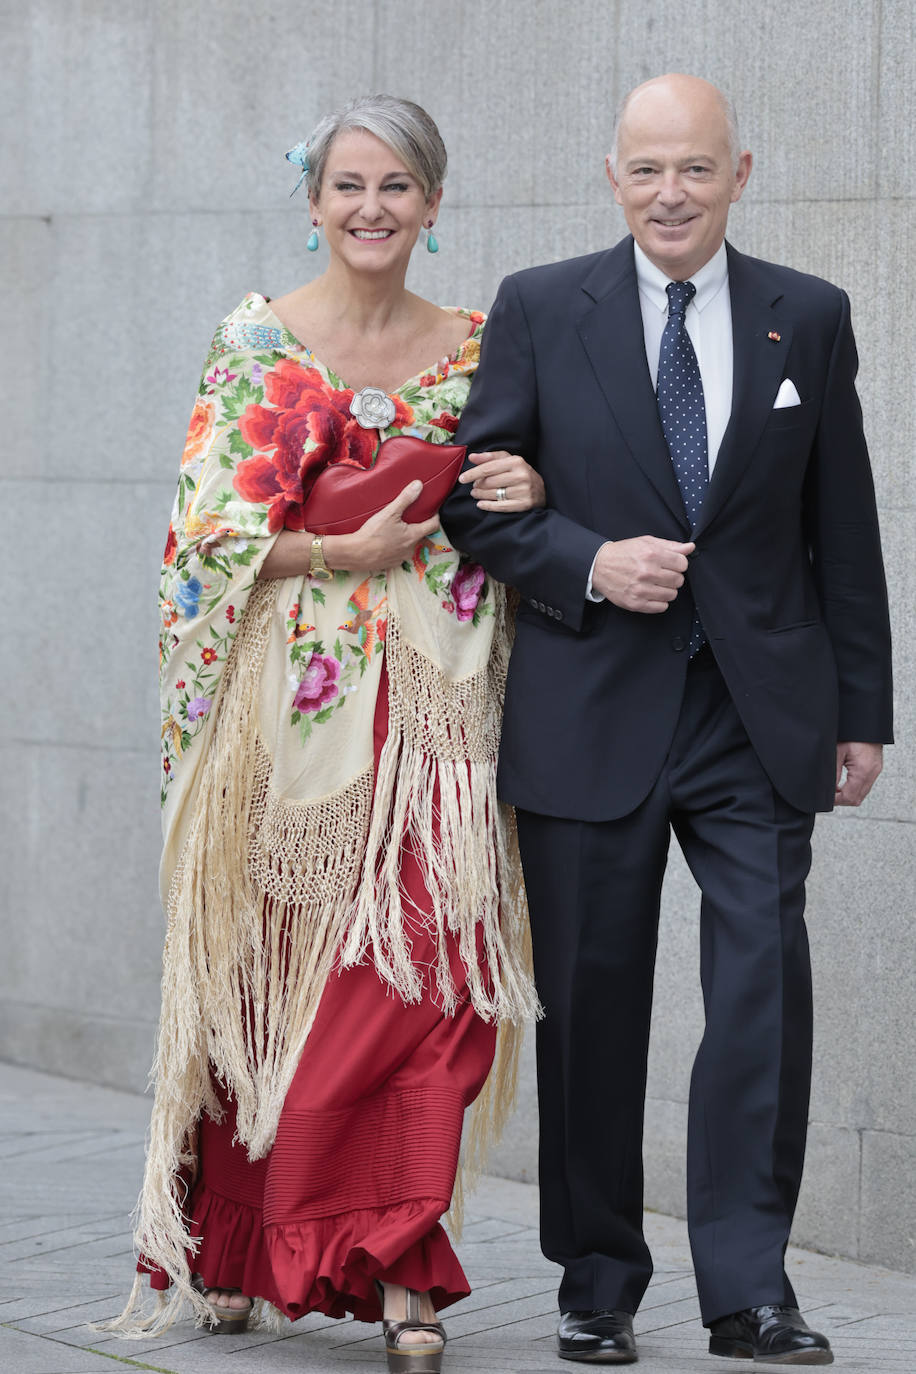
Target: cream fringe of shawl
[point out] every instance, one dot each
(261, 911)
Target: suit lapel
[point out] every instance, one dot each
(611, 331)
(760, 342)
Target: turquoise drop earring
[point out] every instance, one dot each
(312, 241)
(432, 243)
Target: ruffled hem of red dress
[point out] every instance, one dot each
(324, 1264)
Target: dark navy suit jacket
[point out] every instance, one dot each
(787, 574)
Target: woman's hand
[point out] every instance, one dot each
(384, 541)
(508, 472)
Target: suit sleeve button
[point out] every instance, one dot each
(532, 603)
(559, 615)
(679, 644)
(541, 606)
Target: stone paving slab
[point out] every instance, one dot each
(70, 1162)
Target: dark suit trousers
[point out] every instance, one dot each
(593, 892)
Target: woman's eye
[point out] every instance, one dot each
(345, 186)
(397, 186)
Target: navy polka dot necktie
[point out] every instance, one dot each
(683, 415)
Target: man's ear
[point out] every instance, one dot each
(613, 180)
(745, 161)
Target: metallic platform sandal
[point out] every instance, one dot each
(229, 1320)
(412, 1359)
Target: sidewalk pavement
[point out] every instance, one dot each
(71, 1159)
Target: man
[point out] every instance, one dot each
(702, 644)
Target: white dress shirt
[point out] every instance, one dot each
(708, 321)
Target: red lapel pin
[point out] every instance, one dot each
(774, 336)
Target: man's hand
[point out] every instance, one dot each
(863, 763)
(642, 574)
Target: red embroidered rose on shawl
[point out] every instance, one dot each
(302, 407)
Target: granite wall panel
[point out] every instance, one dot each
(800, 130)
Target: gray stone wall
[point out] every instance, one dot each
(144, 192)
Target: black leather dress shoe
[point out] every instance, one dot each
(770, 1335)
(597, 1337)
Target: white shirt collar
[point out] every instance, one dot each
(709, 281)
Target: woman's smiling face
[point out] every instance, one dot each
(370, 206)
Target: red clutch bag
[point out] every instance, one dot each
(344, 497)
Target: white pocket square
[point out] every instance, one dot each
(786, 395)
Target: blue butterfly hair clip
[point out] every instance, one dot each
(300, 156)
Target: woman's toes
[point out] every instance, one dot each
(221, 1297)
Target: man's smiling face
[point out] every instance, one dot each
(676, 175)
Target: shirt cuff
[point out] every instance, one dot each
(589, 594)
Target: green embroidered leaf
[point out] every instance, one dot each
(236, 400)
(338, 649)
(237, 445)
(324, 715)
(318, 596)
(245, 556)
(213, 563)
(225, 461)
(296, 717)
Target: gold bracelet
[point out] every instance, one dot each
(318, 568)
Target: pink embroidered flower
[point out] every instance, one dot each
(180, 683)
(209, 655)
(467, 585)
(318, 685)
(221, 376)
(230, 614)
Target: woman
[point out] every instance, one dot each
(346, 924)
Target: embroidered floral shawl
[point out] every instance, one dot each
(278, 862)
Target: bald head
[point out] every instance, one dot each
(676, 88)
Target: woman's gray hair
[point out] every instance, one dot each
(405, 127)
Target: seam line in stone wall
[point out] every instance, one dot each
(10, 740)
(75, 1015)
(142, 215)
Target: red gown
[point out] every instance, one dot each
(364, 1160)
